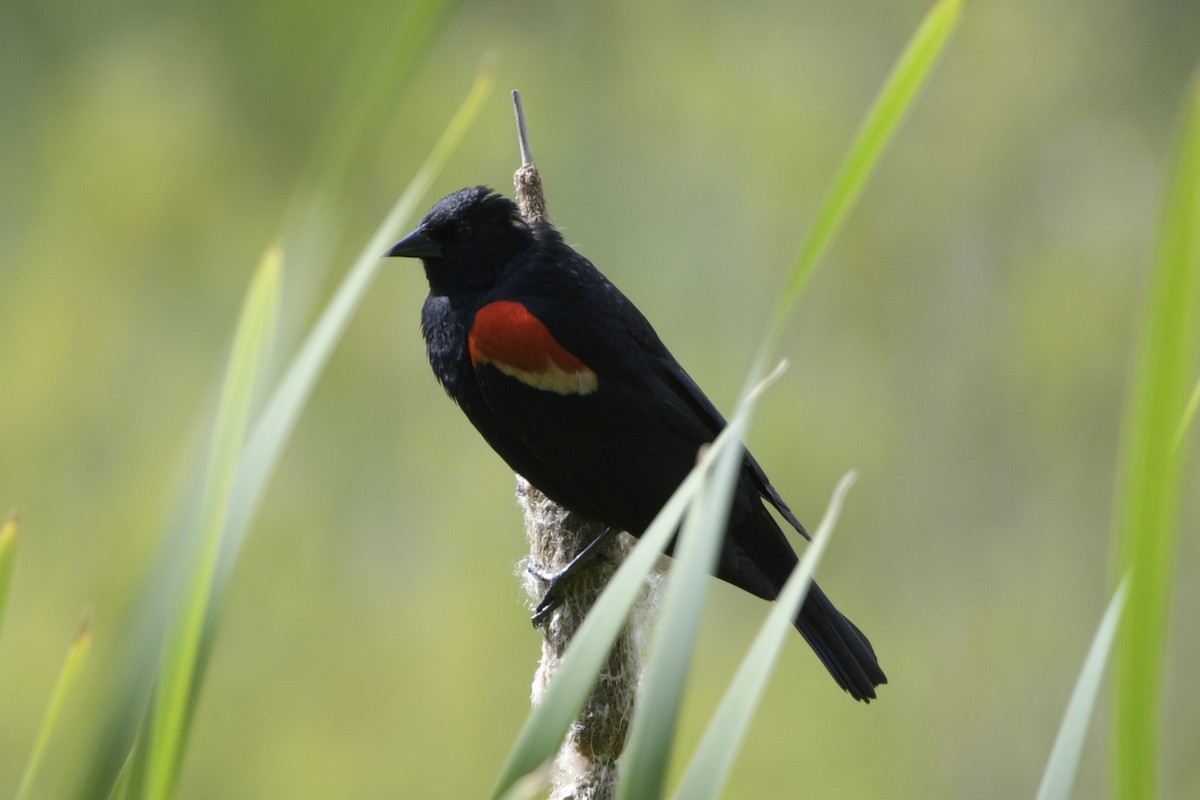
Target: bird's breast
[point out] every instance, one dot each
(444, 329)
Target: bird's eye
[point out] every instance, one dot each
(463, 232)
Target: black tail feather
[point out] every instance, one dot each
(758, 558)
(841, 646)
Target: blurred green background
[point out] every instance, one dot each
(965, 346)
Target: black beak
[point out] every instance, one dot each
(416, 245)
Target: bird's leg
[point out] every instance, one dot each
(559, 580)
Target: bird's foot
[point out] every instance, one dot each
(556, 583)
(553, 596)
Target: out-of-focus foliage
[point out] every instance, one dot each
(1155, 450)
(965, 346)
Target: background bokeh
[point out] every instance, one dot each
(965, 346)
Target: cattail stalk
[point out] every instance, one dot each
(586, 766)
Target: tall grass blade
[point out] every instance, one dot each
(652, 732)
(1059, 778)
(76, 656)
(283, 409)
(1151, 472)
(285, 404)
(713, 759)
(8, 553)
(890, 107)
(176, 680)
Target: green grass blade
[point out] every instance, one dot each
(1059, 778)
(76, 656)
(1151, 471)
(652, 731)
(8, 553)
(894, 100)
(283, 409)
(285, 404)
(176, 678)
(714, 757)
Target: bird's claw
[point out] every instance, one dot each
(557, 582)
(544, 609)
(552, 597)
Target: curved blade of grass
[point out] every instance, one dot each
(76, 656)
(179, 661)
(888, 111)
(656, 716)
(8, 552)
(282, 410)
(652, 731)
(1151, 471)
(714, 757)
(1059, 778)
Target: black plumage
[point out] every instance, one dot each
(570, 384)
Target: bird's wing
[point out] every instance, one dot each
(703, 408)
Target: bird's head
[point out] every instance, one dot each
(467, 240)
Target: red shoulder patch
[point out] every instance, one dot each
(508, 336)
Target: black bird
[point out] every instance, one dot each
(570, 384)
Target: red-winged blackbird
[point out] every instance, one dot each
(570, 384)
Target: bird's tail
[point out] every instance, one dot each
(841, 646)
